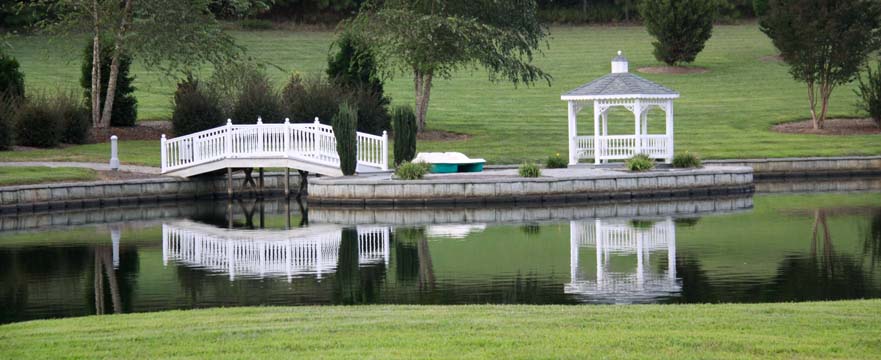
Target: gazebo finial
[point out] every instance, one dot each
(619, 63)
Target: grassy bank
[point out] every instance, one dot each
(724, 113)
(23, 175)
(849, 329)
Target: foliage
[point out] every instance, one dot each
(11, 78)
(500, 36)
(256, 99)
(680, 27)
(37, 124)
(354, 69)
(639, 162)
(316, 96)
(641, 224)
(405, 134)
(73, 116)
(825, 43)
(345, 123)
(412, 171)
(233, 9)
(760, 7)
(8, 108)
(529, 170)
(125, 105)
(686, 160)
(556, 162)
(195, 108)
(373, 115)
(256, 24)
(870, 93)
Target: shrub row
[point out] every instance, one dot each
(43, 120)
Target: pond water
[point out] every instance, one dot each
(760, 248)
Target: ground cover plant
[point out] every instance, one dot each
(556, 161)
(686, 160)
(849, 329)
(639, 162)
(724, 113)
(412, 171)
(529, 170)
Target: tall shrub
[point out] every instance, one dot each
(11, 78)
(870, 94)
(405, 133)
(36, 124)
(8, 107)
(305, 99)
(195, 108)
(680, 27)
(257, 98)
(345, 123)
(125, 105)
(73, 116)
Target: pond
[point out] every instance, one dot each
(767, 247)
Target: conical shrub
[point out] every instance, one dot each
(345, 123)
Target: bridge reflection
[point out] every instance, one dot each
(623, 238)
(312, 251)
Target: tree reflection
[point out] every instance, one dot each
(872, 239)
(356, 283)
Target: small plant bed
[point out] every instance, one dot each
(673, 70)
(830, 127)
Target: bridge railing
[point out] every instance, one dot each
(313, 142)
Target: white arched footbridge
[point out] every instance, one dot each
(310, 147)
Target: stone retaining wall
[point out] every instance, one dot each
(800, 167)
(664, 184)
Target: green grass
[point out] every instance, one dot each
(849, 329)
(130, 152)
(725, 113)
(22, 175)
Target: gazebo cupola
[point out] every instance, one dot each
(620, 88)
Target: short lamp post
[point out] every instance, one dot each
(114, 153)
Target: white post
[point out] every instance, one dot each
(114, 240)
(228, 144)
(671, 249)
(573, 133)
(574, 236)
(384, 150)
(596, 133)
(315, 136)
(287, 136)
(259, 135)
(637, 127)
(669, 132)
(605, 119)
(114, 153)
(163, 162)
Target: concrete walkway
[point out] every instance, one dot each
(86, 165)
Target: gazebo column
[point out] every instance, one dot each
(573, 133)
(596, 132)
(668, 122)
(637, 127)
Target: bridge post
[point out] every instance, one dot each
(259, 135)
(287, 137)
(384, 150)
(228, 145)
(315, 131)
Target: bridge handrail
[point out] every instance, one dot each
(313, 142)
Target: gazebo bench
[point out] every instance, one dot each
(450, 162)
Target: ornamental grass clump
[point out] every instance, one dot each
(556, 162)
(639, 162)
(411, 171)
(529, 170)
(686, 160)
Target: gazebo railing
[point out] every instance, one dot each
(619, 147)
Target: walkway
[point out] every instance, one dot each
(84, 165)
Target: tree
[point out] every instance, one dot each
(824, 42)
(430, 38)
(125, 108)
(11, 78)
(168, 35)
(680, 27)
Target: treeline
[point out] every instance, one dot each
(19, 14)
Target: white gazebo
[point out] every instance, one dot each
(623, 89)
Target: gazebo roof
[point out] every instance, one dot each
(620, 84)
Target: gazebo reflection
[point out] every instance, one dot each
(623, 238)
(290, 254)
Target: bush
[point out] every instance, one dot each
(556, 162)
(256, 24)
(373, 116)
(353, 69)
(125, 105)
(639, 162)
(11, 78)
(681, 27)
(344, 124)
(37, 124)
(870, 94)
(686, 160)
(306, 99)
(405, 134)
(195, 108)
(74, 117)
(529, 170)
(257, 98)
(8, 108)
(411, 171)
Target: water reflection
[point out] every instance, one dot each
(637, 282)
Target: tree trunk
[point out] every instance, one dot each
(114, 64)
(422, 81)
(812, 100)
(96, 68)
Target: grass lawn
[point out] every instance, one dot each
(849, 329)
(22, 175)
(724, 113)
(130, 152)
